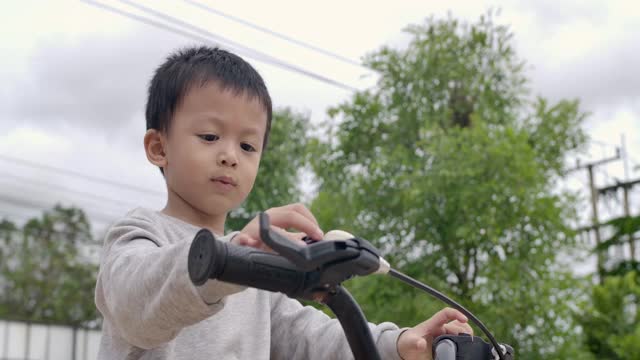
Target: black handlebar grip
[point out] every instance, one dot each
(207, 257)
(213, 259)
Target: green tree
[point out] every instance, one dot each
(280, 168)
(624, 233)
(46, 270)
(611, 318)
(449, 166)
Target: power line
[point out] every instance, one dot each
(11, 216)
(605, 174)
(21, 220)
(273, 33)
(603, 144)
(80, 175)
(23, 203)
(94, 210)
(254, 54)
(64, 188)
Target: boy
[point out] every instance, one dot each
(208, 120)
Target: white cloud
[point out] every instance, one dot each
(75, 76)
(31, 141)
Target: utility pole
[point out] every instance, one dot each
(626, 186)
(625, 189)
(627, 213)
(595, 221)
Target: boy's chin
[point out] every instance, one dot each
(224, 208)
(216, 205)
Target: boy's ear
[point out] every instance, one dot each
(154, 144)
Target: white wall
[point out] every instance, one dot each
(23, 341)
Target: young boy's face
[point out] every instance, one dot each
(213, 148)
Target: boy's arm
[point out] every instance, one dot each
(306, 333)
(143, 287)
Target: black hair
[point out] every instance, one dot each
(196, 66)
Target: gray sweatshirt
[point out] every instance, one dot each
(152, 310)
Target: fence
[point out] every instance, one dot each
(30, 341)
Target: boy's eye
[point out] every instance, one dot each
(247, 147)
(208, 137)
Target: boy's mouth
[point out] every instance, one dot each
(225, 180)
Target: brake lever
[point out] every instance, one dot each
(323, 254)
(283, 246)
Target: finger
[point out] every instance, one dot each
(446, 315)
(246, 240)
(435, 325)
(304, 211)
(255, 243)
(298, 237)
(464, 327)
(295, 220)
(293, 236)
(420, 345)
(455, 329)
(412, 345)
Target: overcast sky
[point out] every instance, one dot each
(75, 78)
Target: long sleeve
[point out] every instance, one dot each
(143, 288)
(303, 332)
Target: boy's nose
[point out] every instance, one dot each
(227, 157)
(225, 162)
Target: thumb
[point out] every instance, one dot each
(245, 240)
(413, 347)
(421, 345)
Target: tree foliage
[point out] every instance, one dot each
(611, 318)
(46, 273)
(449, 166)
(624, 229)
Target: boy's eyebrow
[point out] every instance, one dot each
(212, 119)
(252, 130)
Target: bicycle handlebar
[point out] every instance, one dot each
(315, 272)
(210, 258)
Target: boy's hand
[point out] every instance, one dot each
(292, 216)
(416, 343)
